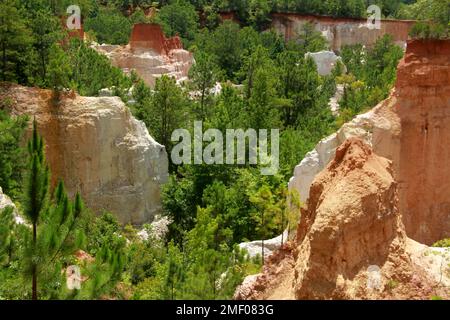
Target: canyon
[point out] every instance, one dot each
(342, 31)
(150, 54)
(97, 147)
(338, 31)
(375, 196)
(408, 129)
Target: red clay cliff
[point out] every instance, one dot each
(150, 54)
(422, 95)
(338, 31)
(151, 36)
(377, 208)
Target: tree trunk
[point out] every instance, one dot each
(264, 234)
(202, 102)
(282, 227)
(4, 63)
(44, 71)
(34, 268)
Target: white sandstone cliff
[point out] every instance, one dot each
(326, 61)
(6, 202)
(369, 127)
(147, 63)
(98, 148)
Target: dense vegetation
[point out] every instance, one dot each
(434, 19)
(266, 83)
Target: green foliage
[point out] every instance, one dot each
(260, 110)
(138, 16)
(92, 71)
(109, 26)
(163, 110)
(268, 84)
(175, 273)
(204, 74)
(206, 268)
(434, 16)
(104, 241)
(224, 45)
(444, 243)
(11, 154)
(6, 235)
(106, 271)
(335, 8)
(228, 109)
(308, 40)
(259, 13)
(435, 10)
(15, 41)
(37, 187)
(232, 198)
(428, 30)
(298, 86)
(179, 17)
(59, 69)
(32, 54)
(231, 47)
(371, 75)
(144, 258)
(47, 31)
(211, 17)
(102, 231)
(55, 229)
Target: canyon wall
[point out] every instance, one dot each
(338, 31)
(351, 242)
(351, 222)
(98, 148)
(372, 192)
(410, 129)
(422, 103)
(151, 36)
(341, 31)
(150, 54)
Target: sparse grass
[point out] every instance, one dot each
(444, 243)
(253, 266)
(392, 284)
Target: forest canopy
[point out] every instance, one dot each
(266, 83)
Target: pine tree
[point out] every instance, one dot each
(56, 229)
(47, 32)
(6, 228)
(106, 271)
(204, 74)
(12, 162)
(165, 111)
(36, 195)
(59, 68)
(175, 273)
(15, 38)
